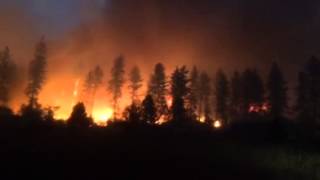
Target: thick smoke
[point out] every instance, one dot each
(230, 34)
(22, 26)
(18, 29)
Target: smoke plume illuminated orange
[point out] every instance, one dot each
(99, 42)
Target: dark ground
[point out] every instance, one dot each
(126, 152)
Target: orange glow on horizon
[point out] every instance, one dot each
(64, 92)
(64, 87)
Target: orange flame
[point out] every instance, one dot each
(102, 116)
(217, 124)
(202, 119)
(259, 108)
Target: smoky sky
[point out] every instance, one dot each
(229, 34)
(254, 30)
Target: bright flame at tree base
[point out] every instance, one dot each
(202, 119)
(102, 116)
(217, 124)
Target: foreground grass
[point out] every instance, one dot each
(284, 161)
(124, 152)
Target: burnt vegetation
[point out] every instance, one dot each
(213, 127)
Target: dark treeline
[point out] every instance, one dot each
(187, 96)
(186, 120)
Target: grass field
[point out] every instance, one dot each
(124, 152)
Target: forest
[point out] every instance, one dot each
(188, 124)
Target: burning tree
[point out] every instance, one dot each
(93, 82)
(116, 83)
(221, 96)
(135, 83)
(158, 90)
(277, 92)
(37, 73)
(7, 76)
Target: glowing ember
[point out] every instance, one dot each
(217, 124)
(259, 108)
(265, 107)
(169, 101)
(253, 108)
(161, 121)
(202, 119)
(102, 116)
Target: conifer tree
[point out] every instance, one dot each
(221, 96)
(277, 92)
(204, 97)
(37, 73)
(92, 83)
(158, 89)
(135, 83)
(116, 83)
(179, 92)
(7, 76)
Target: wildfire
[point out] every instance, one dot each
(259, 108)
(69, 95)
(102, 116)
(161, 121)
(217, 124)
(76, 88)
(61, 115)
(169, 101)
(202, 119)
(65, 91)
